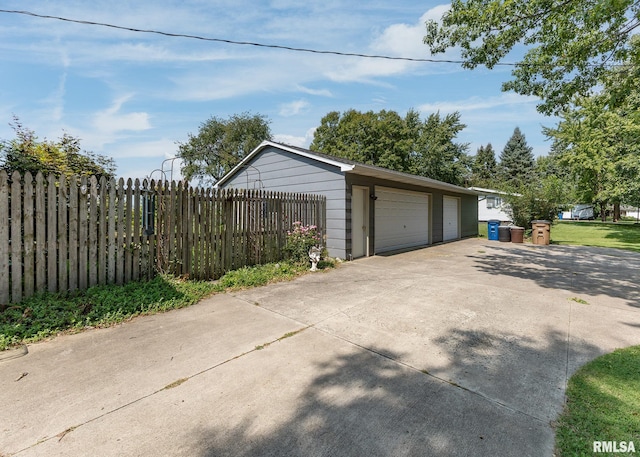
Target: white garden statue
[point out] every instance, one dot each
(314, 255)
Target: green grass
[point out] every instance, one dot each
(483, 230)
(621, 235)
(603, 404)
(259, 275)
(45, 315)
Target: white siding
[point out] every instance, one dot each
(492, 207)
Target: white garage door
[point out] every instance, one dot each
(401, 219)
(450, 217)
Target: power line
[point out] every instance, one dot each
(241, 43)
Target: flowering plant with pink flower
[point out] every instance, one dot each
(299, 240)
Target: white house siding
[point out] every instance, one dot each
(282, 171)
(497, 212)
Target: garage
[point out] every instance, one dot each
(450, 218)
(401, 219)
(369, 209)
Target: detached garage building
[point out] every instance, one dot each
(370, 210)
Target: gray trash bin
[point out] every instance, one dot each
(504, 233)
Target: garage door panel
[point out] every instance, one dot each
(401, 219)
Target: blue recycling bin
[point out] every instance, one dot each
(492, 232)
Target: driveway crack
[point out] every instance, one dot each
(438, 378)
(176, 383)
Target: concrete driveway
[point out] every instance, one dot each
(460, 349)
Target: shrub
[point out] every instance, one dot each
(299, 241)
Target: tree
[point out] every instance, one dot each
(221, 144)
(541, 199)
(437, 155)
(386, 139)
(484, 168)
(571, 43)
(63, 157)
(516, 160)
(383, 139)
(599, 143)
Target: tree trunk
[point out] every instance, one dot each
(603, 212)
(616, 211)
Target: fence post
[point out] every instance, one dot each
(83, 232)
(136, 238)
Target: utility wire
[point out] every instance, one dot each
(242, 43)
(264, 45)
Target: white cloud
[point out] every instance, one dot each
(157, 149)
(276, 71)
(405, 40)
(479, 103)
(318, 92)
(112, 120)
(398, 40)
(300, 141)
(293, 108)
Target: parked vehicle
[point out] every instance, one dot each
(582, 212)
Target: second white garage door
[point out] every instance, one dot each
(450, 218)
(401, 219)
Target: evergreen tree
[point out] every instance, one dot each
(516, 160)
(485, 167)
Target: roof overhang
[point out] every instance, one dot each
(405, 178)
(344, 167)
(351, 168)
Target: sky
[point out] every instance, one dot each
(135, 96)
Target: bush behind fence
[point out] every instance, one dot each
(62, 234)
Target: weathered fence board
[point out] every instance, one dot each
(4, 239)
(52, 234)
(63, 234)
(16, 238)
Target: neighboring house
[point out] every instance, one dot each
(370, 210)
(491, 205)
(630, 211)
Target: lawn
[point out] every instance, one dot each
(620, 235)
(603, 404)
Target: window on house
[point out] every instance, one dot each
(493, 202)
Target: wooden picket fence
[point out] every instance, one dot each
(62, 234)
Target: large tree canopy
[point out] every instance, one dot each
(221, 144)
(383, 139)
(26, 153)
(437, 155)
(599, 142)
(571, 43)
(407, 144)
